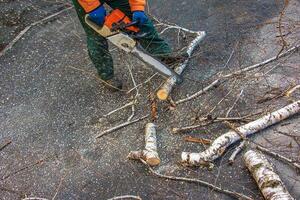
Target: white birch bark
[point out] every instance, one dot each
(149, 154)
(269, 183)
(220, 144)
(166, 88)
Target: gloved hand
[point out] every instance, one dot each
(139, 16)
(98, 15)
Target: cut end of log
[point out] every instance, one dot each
(162, 94)
(175, 130)
(153, 161)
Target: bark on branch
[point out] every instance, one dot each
(166, 88)
(267, 180)
(149, 154)
(219, 145)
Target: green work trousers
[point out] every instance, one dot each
(98, 46)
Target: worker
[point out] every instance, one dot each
(98, 46)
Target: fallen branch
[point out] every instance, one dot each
(198, 181)
(149, 154)
(290, 91)
(5, 144)
(288, 160)
(120, 126)
(126, 197)
(34, 198)
(206, 121)
(141, 84)
(197, 140)
(231, 126)
(235, 102)
(170, 25)
(137, 94)
(267, 180)
(220, 144)
(166, 88)
(120, 108)
(20, 35)
(249, 68)
(224, 77)
(41, 161)
(236, 152)
(193, 96)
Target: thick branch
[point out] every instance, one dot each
(219, 145)
(267, 180)
(166, 88)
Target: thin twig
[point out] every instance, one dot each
(236, 152)
(137, 94)
(251, 67)
(290, 91)
(26, 167)
(198, 181)
(213, 84)
(235, 102)
(120, 108)
(59, 186)
(281, 14)
(20, 35)
(197, 140)
(120, 126)
(288, 160)
(97, 78)
(126, 197)
(206, 121)
(5, 144)
(141, 84)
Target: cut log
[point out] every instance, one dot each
(220, 144)
(267, 180)
(166, 88)
(149, 154)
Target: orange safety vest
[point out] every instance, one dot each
(89, 5)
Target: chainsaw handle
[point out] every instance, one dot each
(122, 26)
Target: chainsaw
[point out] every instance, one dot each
(122, 32)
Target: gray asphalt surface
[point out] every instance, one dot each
(52, 105)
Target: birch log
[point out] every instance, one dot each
(149, 154)
(267, 180)
(166, 88)
(220, 144)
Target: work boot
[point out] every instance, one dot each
(173, 58)
(113, 84)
